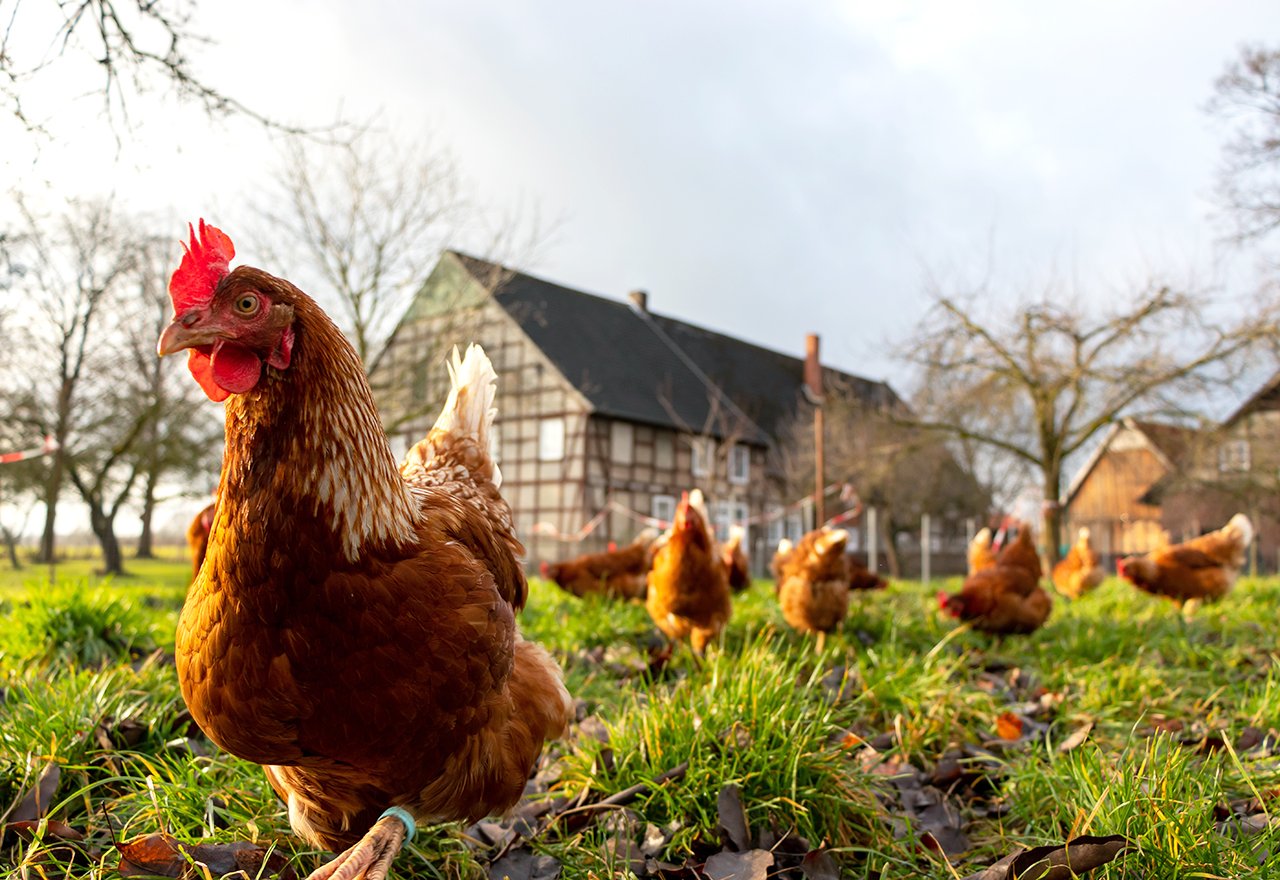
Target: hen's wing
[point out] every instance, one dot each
(453, 461)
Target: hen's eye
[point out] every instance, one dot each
(247, 304)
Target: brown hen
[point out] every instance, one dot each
(814, 590)
(688, 585)
(1204, 568)
(353, 626)
(619, 573)
(1080, 571)
(1005, 598)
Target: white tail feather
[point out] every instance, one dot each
(1240, 523)
(469, 409)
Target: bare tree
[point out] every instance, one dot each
(360, 227)
(900, 470)
(1038, 380)
(1247, 95)
(68, 269)
(365, 222)
(132, 47)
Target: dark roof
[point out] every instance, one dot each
(1175, 442)
(1265, 398)
(649, 368)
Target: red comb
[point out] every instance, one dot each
(203, 265)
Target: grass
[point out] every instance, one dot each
(87, 684)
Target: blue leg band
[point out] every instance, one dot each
(410, 826)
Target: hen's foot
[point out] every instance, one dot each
(371, 857)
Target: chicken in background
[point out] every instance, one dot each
(814, 589)
(862, 578)
(353, 626)
(779, 561)
(981, 553)
(198, 536)
(1007, 597)
(619, 573)
(1080, 571)
(1204, 568)
(735, 560)
(688, 585)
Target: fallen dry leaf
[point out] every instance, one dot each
(733, 817)
(818, 865)
(1077, 738)
(1063, 862)
(158, 854)
(521, 864)
(35, 803)
(1009, 726)
(750, 865)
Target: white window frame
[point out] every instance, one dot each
(663, 507)
(740, 464)
(702, 463)
(777, 526)
(1234, 456)
(551, 434)
(622, 442)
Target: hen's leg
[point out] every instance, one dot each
(371, 858)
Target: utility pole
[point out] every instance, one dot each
(813, 391)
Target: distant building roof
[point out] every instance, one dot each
(1265, 398)
(634, 364)
(1172, 443)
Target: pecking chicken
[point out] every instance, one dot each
(1005, 598)
(688, 586)
(1080, 571)
(1204, 568)
(735, 559)
(814, 589)
(198, 537)
(353, 626)
(619, 573)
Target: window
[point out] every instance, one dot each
(725, 514)
(1234, 456)
(551, 439)
(704, 453)
(795, 527)
(621, 442)
(663, 508)
(664, 451)
(740, 464)
(777, 528)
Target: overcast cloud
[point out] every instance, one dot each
(764, 169)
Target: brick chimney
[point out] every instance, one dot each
(639, 300)
(812, 368)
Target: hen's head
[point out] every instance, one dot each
(230, 322)
(689, 525)
(952, 605)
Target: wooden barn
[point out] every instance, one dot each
(607, 411)
(1111, 493)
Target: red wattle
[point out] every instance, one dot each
(201, 366)
(236, 369)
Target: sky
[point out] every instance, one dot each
(762, 169)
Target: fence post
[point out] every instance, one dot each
(872, 533)
(924, 548)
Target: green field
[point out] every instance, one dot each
(905, 749)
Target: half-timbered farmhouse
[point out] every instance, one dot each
(607, 411)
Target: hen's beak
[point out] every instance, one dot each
(186, 331)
